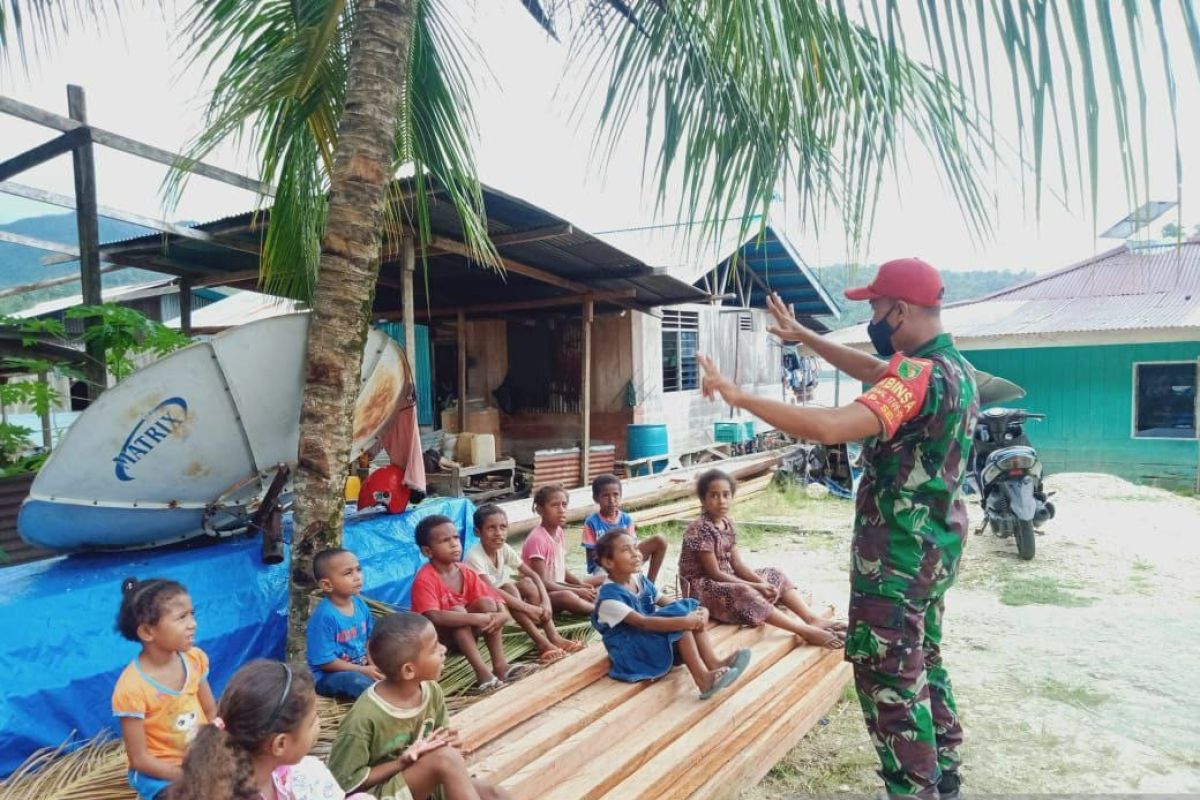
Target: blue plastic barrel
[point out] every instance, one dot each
(646, 440)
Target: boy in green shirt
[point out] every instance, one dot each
(394, 742)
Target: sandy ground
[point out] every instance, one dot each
(1071, 671)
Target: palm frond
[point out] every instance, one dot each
(745, 98)
(436, 130)
(34, 26)
(284, 89)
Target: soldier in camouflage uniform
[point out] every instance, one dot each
(910, 520)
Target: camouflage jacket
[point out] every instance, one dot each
(910, 519)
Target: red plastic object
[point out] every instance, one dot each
(385, 487)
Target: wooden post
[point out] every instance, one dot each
(462, 372)
(585, 390)
(47, 437)
(185, 307)
(88, 224)
(408, 266)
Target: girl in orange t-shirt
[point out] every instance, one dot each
(163, 697)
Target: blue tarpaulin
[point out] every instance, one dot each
(60, 655)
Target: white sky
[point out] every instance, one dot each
(531, 147)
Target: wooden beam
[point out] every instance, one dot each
(761, 753)
(88, 224)
(503, 737)
(47, 435)
(462, 372)
(533, 234)
(458, 248)
(185, 307)
(40, 244)
(25, 288)
(585, 390)
(240, 276)
(62, 200)
(407, 268)
(579, 768)
(43, 153)
(126, 145)
(615, 296)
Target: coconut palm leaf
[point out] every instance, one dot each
(744, 98)
(283, 91)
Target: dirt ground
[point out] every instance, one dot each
(1071, 671)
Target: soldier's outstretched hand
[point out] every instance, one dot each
(786, 327)
(715, 383)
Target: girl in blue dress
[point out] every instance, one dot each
(646, 636)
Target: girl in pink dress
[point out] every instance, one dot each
(257, 747)
(712, 571)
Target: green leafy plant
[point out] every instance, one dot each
(125, 333)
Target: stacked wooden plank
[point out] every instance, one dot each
(562, 466)
(572, 733)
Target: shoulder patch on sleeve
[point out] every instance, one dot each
(900, 394)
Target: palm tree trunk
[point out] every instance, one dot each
(341, 308)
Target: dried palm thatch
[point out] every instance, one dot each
(96, 769)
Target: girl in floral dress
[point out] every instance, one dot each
(712, 571)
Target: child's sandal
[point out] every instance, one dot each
(516, 672)
(550, 656)
(490, 685)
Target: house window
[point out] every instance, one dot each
(680, 341)
(1164, 400)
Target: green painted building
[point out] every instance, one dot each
(1108, 350)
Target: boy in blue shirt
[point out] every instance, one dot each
(606, 491)
(339, 628)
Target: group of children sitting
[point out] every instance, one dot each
(395, 741)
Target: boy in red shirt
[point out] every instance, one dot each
(460, 605)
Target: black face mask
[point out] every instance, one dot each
(881, 334)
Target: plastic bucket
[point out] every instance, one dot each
(642, 441)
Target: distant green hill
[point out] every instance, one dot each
(959, 286)
(20, 264)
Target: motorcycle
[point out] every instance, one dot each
(1007, 474)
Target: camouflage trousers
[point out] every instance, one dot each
(894, 646)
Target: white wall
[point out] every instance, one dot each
(748, 356)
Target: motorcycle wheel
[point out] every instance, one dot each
(1026, 542)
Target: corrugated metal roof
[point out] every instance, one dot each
(113, 294)
(1121, 290)
(1117, 272)
(774, 260)
(451, 280)
(238, 309)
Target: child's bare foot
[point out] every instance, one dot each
(572, 647)
(820, 637)
(834, 625)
